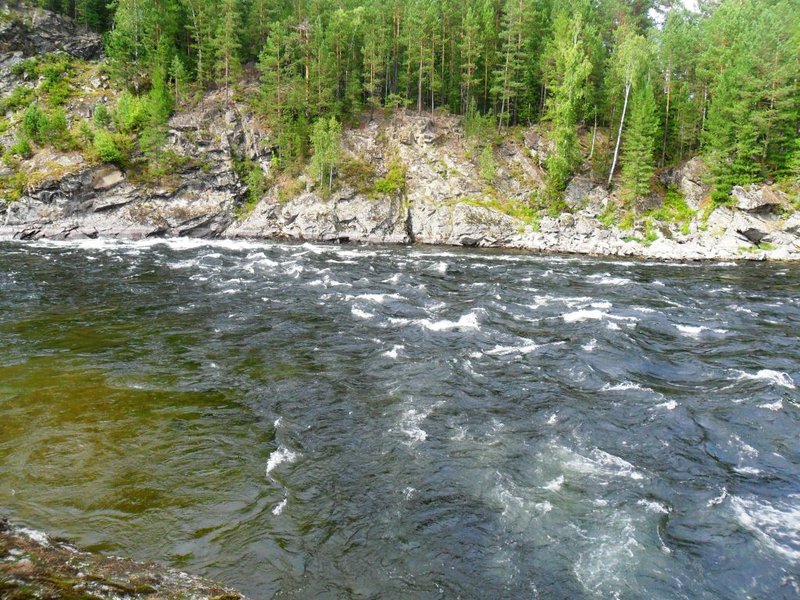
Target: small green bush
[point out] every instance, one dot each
(358, 173)
(101, 116)
(25, 68)
(394, 182)
(12, 187)
(21, 147)
(478, 126)
(627, 221)
(85, 134)
(674, 209)
(257, 185)
(34, 123)
(57, 93)
(56, 130)
(131, 113)
(106, 147)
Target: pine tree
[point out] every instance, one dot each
(131, 42)
(374, 67)
(227, 45)
(200, 24)
(508, 81)
(470, 53)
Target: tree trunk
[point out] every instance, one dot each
(419, 80)
(619, 134)
(594, 134)
(666, 117)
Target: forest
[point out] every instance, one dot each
(666, 82)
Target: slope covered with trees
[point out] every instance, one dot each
(668, 83)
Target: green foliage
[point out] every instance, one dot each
(608, 217)
(638, 159)
(57, 132)
(394, 182)
(358, 173)
(724, 79)
(20, 96)
(751, 66)
(106, 147)
(56, 70)
(257, 185)
(326, 140)
(25, 68)
(478, 126)
(528, 213)
(488, 169)
(101, 116)
(13, 186)
(290, 189)
(568, 78)
(131, 113)
(34, 123)
(674, 209)
(21, 147)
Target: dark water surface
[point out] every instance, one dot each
(323, 422)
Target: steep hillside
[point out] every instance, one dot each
(402, 177)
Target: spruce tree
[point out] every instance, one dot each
(638, 160)
(567, 74)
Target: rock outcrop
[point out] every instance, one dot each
(198, 199)
(31, 31)
(690, 180)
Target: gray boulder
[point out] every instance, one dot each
(757, 198)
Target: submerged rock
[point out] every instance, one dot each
(34, 565)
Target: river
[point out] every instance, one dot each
(309, 421)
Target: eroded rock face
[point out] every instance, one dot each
(689, 179)
(461, 224)
(443, 200)
(32, 31)
(345, 217)
(758, 198)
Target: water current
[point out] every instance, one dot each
(306, 421)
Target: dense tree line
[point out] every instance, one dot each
(668, 83)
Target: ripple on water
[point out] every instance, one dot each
(474, 419)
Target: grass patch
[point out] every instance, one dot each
(674, 210)
(393, 183)
(20, 96)
(519, 210)
(161, 169)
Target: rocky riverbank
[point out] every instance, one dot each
(404, 178)
(33, 565)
